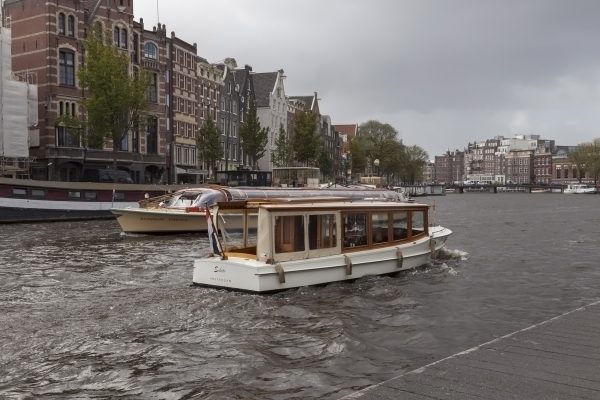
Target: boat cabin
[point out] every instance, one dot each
(298, 229)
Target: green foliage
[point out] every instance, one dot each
(393, 161)
(306, 138)
(415, 161)
(325, 163)
(586, 158)
(357, 155)
(283, 154)
(579, 158)
(397, 162)
(594, 160)
(378, 135)
(209, 145)
(115, 100)
(253, 138)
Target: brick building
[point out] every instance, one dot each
(48, 42)
(184, 108)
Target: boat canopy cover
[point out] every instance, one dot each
(349, 193)
(202, 197)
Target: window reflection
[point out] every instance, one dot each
(400, 225)
(379, 227)
(355, 229)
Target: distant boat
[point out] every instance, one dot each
(580, 188)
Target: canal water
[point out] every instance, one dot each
(86, 312)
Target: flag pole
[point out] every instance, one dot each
(213, 232)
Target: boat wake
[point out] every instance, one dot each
(451, 254)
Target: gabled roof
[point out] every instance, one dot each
(306, 100)
(264, 84)
(351, 130)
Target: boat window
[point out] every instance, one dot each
(355, 229)
(379, 227)
(119, 196)
(19, 192)
(38, 193)
(417, 222)
(90, 195)
(321, 231)
(74, 195)
(400, 225)
(289, 233)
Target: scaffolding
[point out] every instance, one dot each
(18, 113)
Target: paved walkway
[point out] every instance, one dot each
(556, 359)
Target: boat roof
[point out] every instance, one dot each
(316, 203)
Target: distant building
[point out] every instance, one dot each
(450, 167)
(184, 108)
(346, 133)
(519, 167)
(542, 162)
(221, 83)
(271, 109)
(244, 79)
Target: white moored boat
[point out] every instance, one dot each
(184, 210)
(579, 188)
(313, 241)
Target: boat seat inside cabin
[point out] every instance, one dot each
(244, 252)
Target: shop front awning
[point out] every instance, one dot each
(190, 171)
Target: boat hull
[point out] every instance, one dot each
(24, 200)
(163, 221)
(248, 274)
(148, 221)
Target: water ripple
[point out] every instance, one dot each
(87, 312)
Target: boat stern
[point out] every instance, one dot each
(232, 273)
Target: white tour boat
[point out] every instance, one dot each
(184, 211)
(313, 241)
(580, 188)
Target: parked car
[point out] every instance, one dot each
(106, 175)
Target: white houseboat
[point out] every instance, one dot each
(580, 188)
(314, 241)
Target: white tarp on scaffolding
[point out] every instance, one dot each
(18, 106)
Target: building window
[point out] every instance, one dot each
(153, 88)
(71, 26)
(150, 51)
(66, 136)
(152, 136)
(61, 23)
(136, 50)
(120, 37)
(67, 68)
(124, 145)
(123, 42)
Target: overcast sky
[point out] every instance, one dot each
(442, 72)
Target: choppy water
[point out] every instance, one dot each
(88, 313)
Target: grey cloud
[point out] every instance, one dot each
(441, 72)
